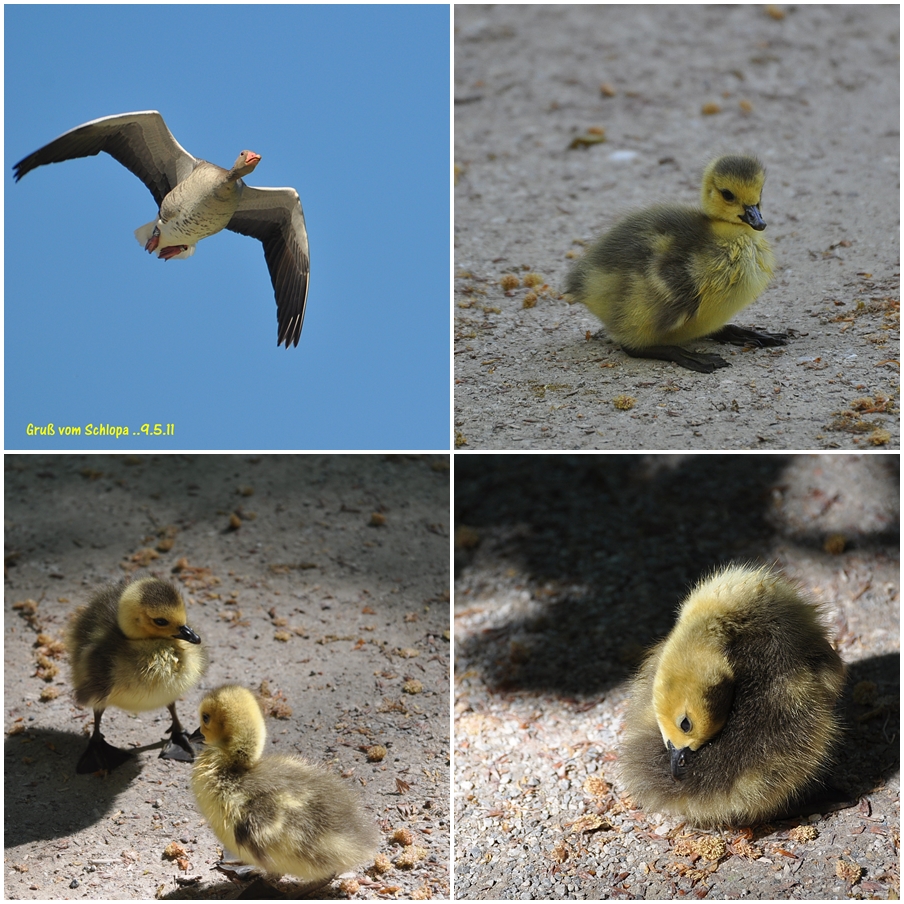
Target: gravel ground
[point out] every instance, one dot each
(567, 568)
(325, 576)
(814, 93)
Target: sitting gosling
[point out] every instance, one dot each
(732, 718)
(670, 274)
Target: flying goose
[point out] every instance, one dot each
(197, 199)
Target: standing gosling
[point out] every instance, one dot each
(670, 274)
(732, 717)
(130, 647)
(279, 813)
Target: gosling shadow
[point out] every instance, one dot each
(870, 753)
(258, 889)
(589, 556)
(44, 798)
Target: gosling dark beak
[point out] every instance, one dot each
(679, 760)
(197, 736)
(753, 218)
(186, 633)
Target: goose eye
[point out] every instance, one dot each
(161, 622)
(205, 718)
(685, 725)
(729, 196)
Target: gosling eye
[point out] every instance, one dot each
(685, 725)
(205, 718)
(729, 196)
(161, 622)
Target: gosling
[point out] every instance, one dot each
(669, 274)
(279, 813)
(732, 717)
(130, 647)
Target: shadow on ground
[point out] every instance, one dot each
(605, 548)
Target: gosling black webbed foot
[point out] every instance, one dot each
(739, 335)
(179, 746)
(237, 869)
(697, 361)
(100, 756)
(259, 889)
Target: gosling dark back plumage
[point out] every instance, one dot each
(332, 810)
(631, 250)
(88, 628)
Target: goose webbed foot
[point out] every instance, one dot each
(739, 335)
(260, 888)
(179, 746)
(698, 361)
(153, 241)
(236, 868)
(101, 756)
(172, 251)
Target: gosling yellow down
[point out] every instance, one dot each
(279, 813)
(130, 647)
(732, 717)
(667, 275)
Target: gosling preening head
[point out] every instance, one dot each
(130, 647)
(667, 275)
(280, 813)
(732, 716)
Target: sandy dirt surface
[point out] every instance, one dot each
(567, 568)
(327, 577)
(814, 94)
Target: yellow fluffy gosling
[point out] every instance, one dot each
(279, 813)
(732, 717)
(130, 647)
(667, 275)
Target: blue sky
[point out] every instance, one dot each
(347, 104)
